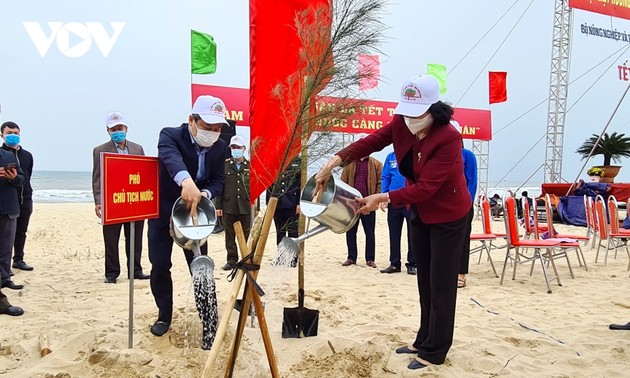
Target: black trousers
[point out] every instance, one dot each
(286, 221)
(4, 302)
(395, 218)
(7, 237)
(230, 234)
(463, 266)
(26, 209)
(437, 248)
(111, 236)
(369, 224)
(160, 251)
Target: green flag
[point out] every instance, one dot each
(203, 53)
(438, 71)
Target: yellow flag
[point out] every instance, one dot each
(438, 71)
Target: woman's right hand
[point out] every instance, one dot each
(322, 177)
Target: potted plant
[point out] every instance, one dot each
(595, 173)
(614, 147)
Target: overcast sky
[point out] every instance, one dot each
(60, 101)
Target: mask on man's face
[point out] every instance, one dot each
(12, 140)
(206, 138)
(237, 153)
(415, 125)
(118, 136)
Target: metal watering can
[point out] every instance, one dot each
(334, 210)
(191, 233)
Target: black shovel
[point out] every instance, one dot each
(299, 321)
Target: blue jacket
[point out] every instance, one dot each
(391, 178)
(177, 152)
(470, 171)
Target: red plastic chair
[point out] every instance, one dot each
(486, 223)
(485, 238)
(609, 232)
(556, 235)
(518, 245)
(591, 224)
(528, 218)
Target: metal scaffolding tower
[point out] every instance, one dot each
(481, 149)
(558, 90)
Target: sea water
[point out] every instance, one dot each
(62, 187)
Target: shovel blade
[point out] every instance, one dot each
(299, 322)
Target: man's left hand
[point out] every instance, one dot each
(10, 173)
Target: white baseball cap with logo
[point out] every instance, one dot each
(417, 95)
(114, 119)
(211, 109)
(237, 140)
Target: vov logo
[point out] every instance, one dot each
(74, 39)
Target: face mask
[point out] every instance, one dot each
(12, 140)
(118, 136)
(415, 125)
(237, 153)
(206, 138)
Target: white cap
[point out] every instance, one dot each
(237, 140)
(114, 119)
(211, 109)
(417, 95)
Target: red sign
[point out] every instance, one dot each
(473, 123)
(129, 188)
(613, 8)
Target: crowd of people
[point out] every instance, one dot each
(428, 182)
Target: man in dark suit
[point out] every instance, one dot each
(11, 180)
(117, 130)
(234, 205)
(11, 133)
(191, 165)
(287, 190)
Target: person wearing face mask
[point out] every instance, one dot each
(118, 143)
(428, 152)
(11, 181)
(191, 165)
(11, 134)
(234, 205)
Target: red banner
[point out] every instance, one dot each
(129, 188)
(473, 123)
(613, 8)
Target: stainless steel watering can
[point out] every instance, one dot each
(191, 233)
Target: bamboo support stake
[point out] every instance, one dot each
(236, 287)
(247, 298)
(44, 346)
(260, 313)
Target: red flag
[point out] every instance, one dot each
(498, 86)
(369, 71)
(278, 66)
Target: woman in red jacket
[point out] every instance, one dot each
(428, 151)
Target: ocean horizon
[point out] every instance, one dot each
(76, 187)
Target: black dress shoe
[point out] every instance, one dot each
(391, 269)
(110, 279)
(412, 270)
(622, 327)
(22, 265)
(141, 276)
(12, 285)
(405, 350)
(159, 328)
(415, 364)
(13, 311)
(228, 266)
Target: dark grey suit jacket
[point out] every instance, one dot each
(134, 149)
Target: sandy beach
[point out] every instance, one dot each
(514, 330)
